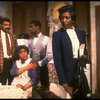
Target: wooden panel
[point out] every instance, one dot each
(26, 11)
(97, 12)
(82, 15)
(83, 19)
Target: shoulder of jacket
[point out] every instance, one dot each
(45, 36)
(80, 30)
(60, 31)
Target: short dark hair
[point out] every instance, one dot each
(5, 19)
(36, 23)
(68, 8)
(22, 47)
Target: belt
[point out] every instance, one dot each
(7, 58)
(75, 58)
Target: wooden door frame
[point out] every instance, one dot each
(93, 45)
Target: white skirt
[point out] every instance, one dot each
(59, 91)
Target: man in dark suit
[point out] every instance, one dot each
(67, 41)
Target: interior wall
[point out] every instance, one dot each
(6, 10)
(93, 45)
(53, 15)
(24, 12)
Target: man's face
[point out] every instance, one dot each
(5, 26)
(32, 29)
(66, 20)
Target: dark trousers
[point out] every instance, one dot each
(44, 77)
(5, 75)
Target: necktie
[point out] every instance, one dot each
(9, 51)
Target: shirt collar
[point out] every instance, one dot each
(73, 28)
(23, 62)
(39, 34)
(3, 32)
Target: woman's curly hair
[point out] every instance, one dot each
(17, 51)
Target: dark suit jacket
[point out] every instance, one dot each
(63, 56)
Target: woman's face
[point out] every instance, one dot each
(66, 20)
(23, 54)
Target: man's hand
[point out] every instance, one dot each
(32, 65)
(19, 86)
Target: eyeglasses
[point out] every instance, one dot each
(66, 17)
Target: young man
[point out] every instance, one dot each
(38, 47)
(66, 44)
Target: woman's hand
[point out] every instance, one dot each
(20, 86)
(83, 56)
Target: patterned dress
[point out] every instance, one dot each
(53, 78)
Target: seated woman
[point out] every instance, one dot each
(25, 70)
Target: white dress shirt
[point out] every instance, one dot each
(49, 52)
(74, 40)
(4, 44)
(45, 41)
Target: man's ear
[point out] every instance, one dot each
(0, 26)
(37, 27)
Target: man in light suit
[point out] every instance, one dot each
(66, 43)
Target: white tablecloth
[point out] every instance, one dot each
(8, 91)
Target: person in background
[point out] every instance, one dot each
(38, 46)
(23, 39)
(25, 70)
(6, 58)
(66, 43)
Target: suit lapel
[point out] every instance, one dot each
(1, 41)
(79, 36)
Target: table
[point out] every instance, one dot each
(12, 92)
